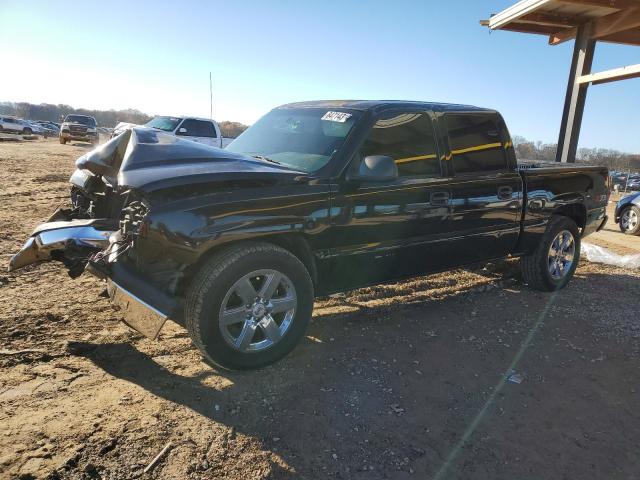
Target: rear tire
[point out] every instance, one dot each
(233, 317)
(551, 266)
(27, 131)
(630, 220)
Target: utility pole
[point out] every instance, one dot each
(210, 97)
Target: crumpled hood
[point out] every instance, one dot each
(148, 160)
(210, 170)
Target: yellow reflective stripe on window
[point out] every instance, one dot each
(413, 159)
(486, 146)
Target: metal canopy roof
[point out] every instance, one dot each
(586, 21)
(616, 21)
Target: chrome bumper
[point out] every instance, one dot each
(58, 236)
(141, 303)
(136, 313)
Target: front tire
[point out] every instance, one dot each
(249, 305)
(630, 220)
(27, 131)
(551, 266)
(63, 141)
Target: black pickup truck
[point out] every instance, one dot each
(313, 199)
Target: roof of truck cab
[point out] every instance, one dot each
(365, 105)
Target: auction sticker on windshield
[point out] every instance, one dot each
(336, 116)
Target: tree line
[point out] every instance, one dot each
(613, 159)
(104, 118)
(525, 149)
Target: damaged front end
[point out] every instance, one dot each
(96, 233)
(127, 207)
(98, 246)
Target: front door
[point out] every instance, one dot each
(389, 230)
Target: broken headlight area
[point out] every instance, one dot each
(133, 223)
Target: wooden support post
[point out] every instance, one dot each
(574, 101)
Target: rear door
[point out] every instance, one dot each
(201, 131)
(486, 189)
(387, 230)
(12, 124)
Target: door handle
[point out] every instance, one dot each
(440, 198)
(505, 193)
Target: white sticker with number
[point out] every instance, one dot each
(336, 116)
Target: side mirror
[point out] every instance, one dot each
(376, 168)
(182, 131)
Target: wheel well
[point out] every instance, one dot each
(576, 212)
(295, 244)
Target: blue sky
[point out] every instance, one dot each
(156, 56)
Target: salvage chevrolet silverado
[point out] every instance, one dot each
(314, 198)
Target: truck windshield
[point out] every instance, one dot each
(88, 121)
(168, 124)
(304, 139)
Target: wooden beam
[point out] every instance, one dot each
(529, 28)
(574, 101)
(549, 19)
(624, 73)
(619, 4)
(603, 26)
(630, 37)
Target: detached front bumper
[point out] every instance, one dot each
(144, 306)
(64, 240)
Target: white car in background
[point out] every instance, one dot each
(17, 125)
(201, 130)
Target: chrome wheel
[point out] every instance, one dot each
(629, 219)
(561, 254)
(258, 310)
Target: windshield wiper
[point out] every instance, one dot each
(266, 159)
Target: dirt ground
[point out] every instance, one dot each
(464, 375)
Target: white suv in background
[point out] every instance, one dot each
(201, 130)
(17, 125)
(11, 124)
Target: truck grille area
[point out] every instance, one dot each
(77, 130)
(133, 219)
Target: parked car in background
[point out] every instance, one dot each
(51, 126)
(10, 125)
(627, 214)
(105, 131)
(16, 125)
(38, 129)
(79, 127)
(633, 185)
(313, 199)
(201, 130)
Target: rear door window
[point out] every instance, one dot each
(198, 128)
(408, 138)
(476, 142)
